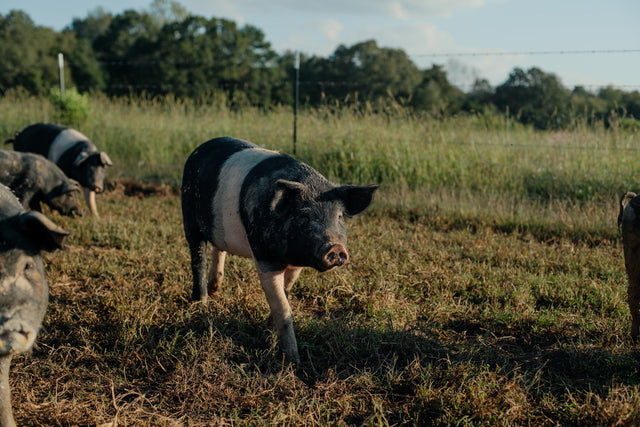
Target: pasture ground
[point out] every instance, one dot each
(438, 319)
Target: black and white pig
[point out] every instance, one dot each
(34, 180)
(23, 287)
(264, 205)
(72, 151)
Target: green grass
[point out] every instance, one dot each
(478, 165)
(486, 284)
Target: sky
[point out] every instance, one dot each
(584, 42)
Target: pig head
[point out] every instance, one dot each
(267, 206)
(35, 180)
(23, 287)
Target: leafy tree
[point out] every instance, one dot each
(197, 55)
(95, 24)
(586, 106)
(619, 105)
(479, 98)
(435, 94)
(167, 11)
(29, 52)
(124, 50)
(363, 70)
(85, 69)
(534, 97)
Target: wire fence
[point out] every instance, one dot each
(615, 175)
(324, 83)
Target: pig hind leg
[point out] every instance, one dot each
(198, 249)
(216, 271)
(273, 285)
(290, 276)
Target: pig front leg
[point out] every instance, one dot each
(216, 271)
(6, 412)
(273, 285)
(90, 199)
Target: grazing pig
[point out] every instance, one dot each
(264, 205)
(23, 287)
(629, 225)
(34, 180)
(73, 152)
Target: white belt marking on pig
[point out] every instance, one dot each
(228, 232)
(65, 140)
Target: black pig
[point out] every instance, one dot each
(73, 152)
(264, 205)
(34, 180)
(23, 287)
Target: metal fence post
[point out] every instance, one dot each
(61, 73)
(296, 85)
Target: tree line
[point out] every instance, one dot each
(166, 50)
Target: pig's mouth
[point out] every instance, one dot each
(16, 340)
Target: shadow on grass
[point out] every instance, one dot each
(561, 359)
(196, 347)
(345, 346)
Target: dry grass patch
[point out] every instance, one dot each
(437, 320)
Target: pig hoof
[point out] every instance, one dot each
(200, 298)
(214, 285)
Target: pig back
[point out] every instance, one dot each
(37, 138)
(200, 181)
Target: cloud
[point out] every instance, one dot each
(330, 28)
(413, 37)
(406, 9)
(397, 9)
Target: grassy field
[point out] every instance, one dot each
(486, 285)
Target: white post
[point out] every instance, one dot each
(296, 85)
(61, 72)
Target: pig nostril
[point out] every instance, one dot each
(336, 256)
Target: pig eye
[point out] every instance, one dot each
(29, 267)
(305, 219)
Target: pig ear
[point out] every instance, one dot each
(69, 185)
(74, 185)
(356, 198)
(82, 157)
(287, 192)
(105, 160)
(42, 230)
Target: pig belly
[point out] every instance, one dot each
(229, 233)
(235, 236)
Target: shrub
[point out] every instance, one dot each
(71, 108)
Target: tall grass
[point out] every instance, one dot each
(477, 165)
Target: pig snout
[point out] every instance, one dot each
(336, 256)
